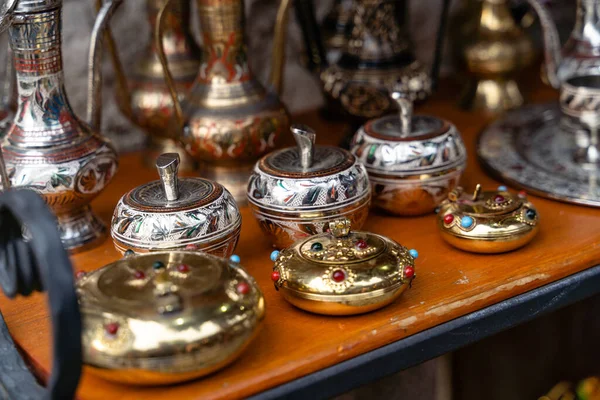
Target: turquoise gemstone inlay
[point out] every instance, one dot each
(414, 253)
(235, 258)
(274, 255)
(502, 188)
(466, 222)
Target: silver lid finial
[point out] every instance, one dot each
(305, 138)
(168, 165)
(406, 112)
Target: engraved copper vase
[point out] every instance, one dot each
(148, 102)
(228, 119)
(47, 147)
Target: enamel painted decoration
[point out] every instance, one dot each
(343, 272)
(296, 192)
(163, 318)
(413, 161)
(488, 222)
(177, 214)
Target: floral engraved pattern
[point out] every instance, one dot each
(162, 229)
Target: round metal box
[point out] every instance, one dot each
(162, 318)
(487, 222)
(413, 161)
(296, 192)
(172, 213)
(343, 272)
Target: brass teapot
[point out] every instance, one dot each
(47, 147)
(228, 119)
(143, 96)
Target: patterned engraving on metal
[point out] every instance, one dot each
(192, 192)
(326, 158)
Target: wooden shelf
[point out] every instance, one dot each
(293, 343)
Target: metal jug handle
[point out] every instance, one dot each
(439, 45)
(7, 87)
(94, 100)
(122, 86)
(552, 48)
(311, 33)
(160, 49)
(278, 60)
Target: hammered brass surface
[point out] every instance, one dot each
(487, 222)
(351, 273)
(173, 323)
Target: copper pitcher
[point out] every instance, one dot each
(47, 147)
(228, 120)
(143, 96)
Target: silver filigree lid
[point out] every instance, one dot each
(307, 176)
(409, 145)
(173, 213)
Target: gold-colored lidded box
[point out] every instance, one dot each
(162, 318)
(177, 214)
(488, 222)
(343, 272)
(296, 192)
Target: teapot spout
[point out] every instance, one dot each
(94, 99)
(552, 48)
(278, 60)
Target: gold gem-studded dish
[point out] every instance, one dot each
(176, 214)
(343, 272)
(162, 318)
(488, 222)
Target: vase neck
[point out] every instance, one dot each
(224, 48)
(587, 23)
(44, 116)
(177, 39)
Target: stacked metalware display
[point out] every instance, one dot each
(187, 308)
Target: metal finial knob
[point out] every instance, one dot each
(168, 165)
(405, 106)
(340, 228)
(305, 138)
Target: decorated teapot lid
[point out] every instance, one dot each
(343, 272)
(487, 222)
(408, 144)
(280, 178)
(161, 318)
(172, 213)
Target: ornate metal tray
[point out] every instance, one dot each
(526, 148)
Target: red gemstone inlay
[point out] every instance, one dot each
(275, 276)
(191, 247)
(522, 193)
(448, 218)
(409, 272)
(139, 275)
(242, 288)
(338, 275)
(183, 268)
(80, 274)
(362, 244)
(499, 198)
(112, 328)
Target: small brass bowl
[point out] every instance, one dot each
(163, 318)
(343, 272)
(488, 222)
